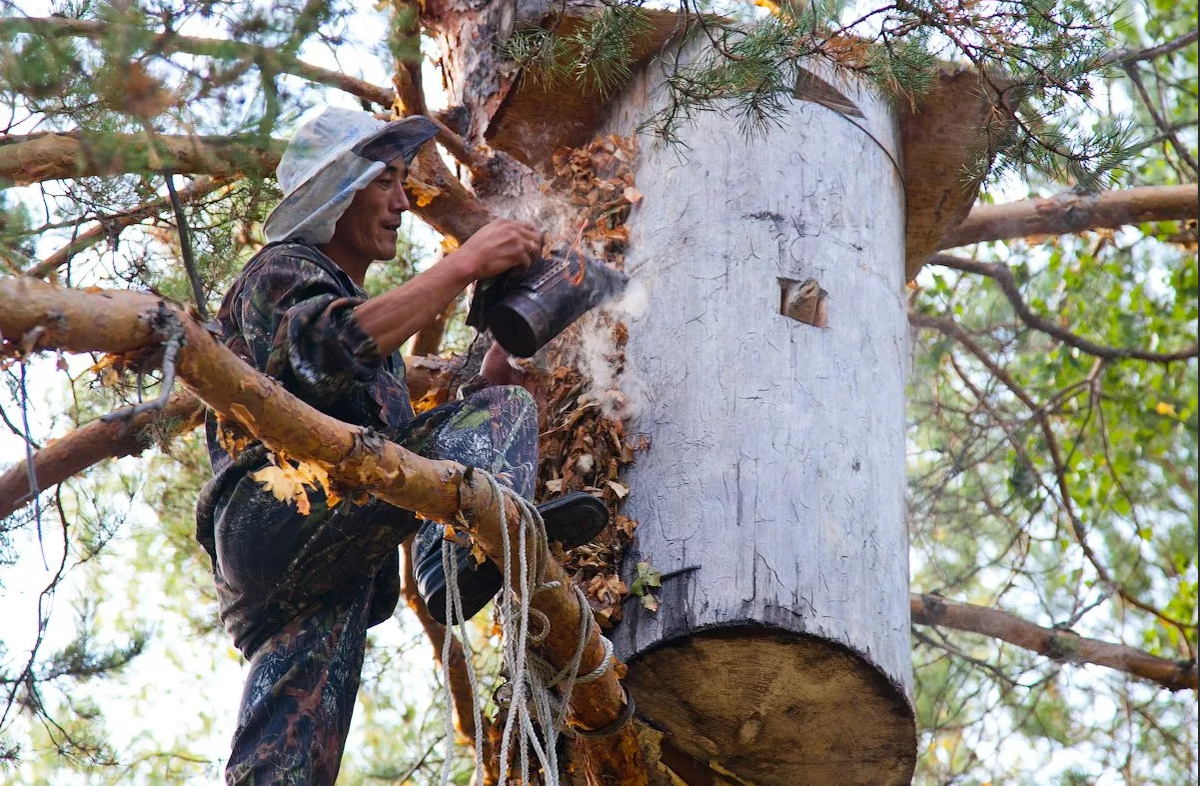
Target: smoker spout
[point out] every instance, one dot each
(552, 295)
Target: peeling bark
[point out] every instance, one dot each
(90, 444)
(452, 209)
(1067, 213)
(42, 316)
(1062, 646)
(468, 33)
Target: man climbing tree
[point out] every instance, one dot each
(301, 581)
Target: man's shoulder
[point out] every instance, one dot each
(289, 257)
(281, 266)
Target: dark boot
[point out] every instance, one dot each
(572, 520)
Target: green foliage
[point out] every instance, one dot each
(597, 55)
(989, 500)
(1039, 57)
(988, 508)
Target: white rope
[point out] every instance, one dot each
(533, 679)
(454, 617)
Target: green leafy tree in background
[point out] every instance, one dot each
(1053, 391)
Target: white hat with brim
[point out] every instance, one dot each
(328, 160)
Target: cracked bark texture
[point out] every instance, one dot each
(772, 495)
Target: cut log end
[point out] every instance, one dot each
(772, 708)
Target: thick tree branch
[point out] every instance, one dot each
(268, 59)
(94, 443)
(1008, 284)
(355, 458)
(451, 209)
(1067, 213)
(442, 200)
(428, 340)
(90, 444)
(57, 156)
(1062, 646)
(406, 34)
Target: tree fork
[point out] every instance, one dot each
(116, 321)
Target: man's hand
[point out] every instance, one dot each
(500, 246)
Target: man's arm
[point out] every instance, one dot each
(391, 318)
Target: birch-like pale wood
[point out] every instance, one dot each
(772, 495)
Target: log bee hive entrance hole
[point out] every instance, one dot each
(804, 301)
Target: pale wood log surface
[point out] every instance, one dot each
(772, 494)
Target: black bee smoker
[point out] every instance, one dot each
(524, 312)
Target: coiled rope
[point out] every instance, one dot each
(532, 678)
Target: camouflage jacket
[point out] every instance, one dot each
(290, 315)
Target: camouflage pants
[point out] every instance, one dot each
(299, 695)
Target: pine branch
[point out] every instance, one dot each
(268, 59)
(1127, 56)
(93, 443)
(452, 209)
(1004, 278)
(110, 226)
(36, 158)
(1067, 213)
(1059, 645)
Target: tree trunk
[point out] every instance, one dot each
(772, 495)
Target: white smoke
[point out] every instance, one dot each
(551, 214)
(620, 394)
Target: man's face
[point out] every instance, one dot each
(368, 228)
